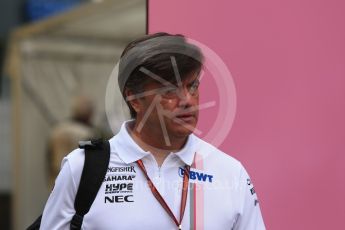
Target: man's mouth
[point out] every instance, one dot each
(186, 117)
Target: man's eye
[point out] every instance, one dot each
(194, 86)
(170, 90)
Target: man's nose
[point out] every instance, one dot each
(185, 97)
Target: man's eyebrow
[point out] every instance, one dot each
(196, 80)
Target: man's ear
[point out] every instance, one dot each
(132, 100)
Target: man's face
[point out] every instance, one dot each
(170, 109)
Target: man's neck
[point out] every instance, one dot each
(155, 143)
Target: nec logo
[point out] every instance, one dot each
(195, 175)
(118, 199)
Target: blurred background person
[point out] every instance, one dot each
(65, 135)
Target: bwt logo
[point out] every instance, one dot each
(194, 175)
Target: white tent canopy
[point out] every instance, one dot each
(50, 62)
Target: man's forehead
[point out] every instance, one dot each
(191, 77)
(185, 79)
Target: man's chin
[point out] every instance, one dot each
(182, 131)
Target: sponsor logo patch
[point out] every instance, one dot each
(119, 177)
(121, 169)
(118, 199)
(119, 184)
(196, 175)
(119, 188)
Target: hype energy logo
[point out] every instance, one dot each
(196, 175)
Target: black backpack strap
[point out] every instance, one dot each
(35, 225)
(97, 155)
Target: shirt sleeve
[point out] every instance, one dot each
(250, 217)
(59, 208)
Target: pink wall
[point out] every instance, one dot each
(287, 60)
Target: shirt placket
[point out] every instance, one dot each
(156, 174)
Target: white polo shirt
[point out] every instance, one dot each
(220, 196)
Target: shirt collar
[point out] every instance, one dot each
(186, 154)
(129, 151)
(126, 148)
